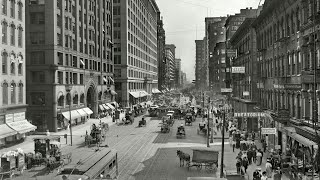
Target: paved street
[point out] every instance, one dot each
(144, 153)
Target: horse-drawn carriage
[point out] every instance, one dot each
(48, 151)
(165, 125)
(181, 132)
(201, 157)
(142, 122)
(202, 128)
(97, 134)
(188, 119)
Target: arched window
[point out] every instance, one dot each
(20, 69)
(20, 98)
(12, 67)
(4, 32)
(12, 8)
(68, 99)
(61, 100)
(100, 96)
(20, 34)
(4, 63)
(20, 9)
(82, 98)
(5, 93)
(75, 99)
(12, 34)
(13, 93)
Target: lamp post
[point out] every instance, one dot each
(68, 89)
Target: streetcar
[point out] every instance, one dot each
(91, 164)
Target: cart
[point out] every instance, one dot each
(12, 162)
(204, 157)
(202, 129)
(181, 132)
(188, 119)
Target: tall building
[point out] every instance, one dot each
(135, 46)
(205, 70)
(170, 67)
(13, 106)
(178, 73)
(183, 79)
(161, 54)
(219, 57)
(216, 34)
(69, 61)
(244, 77)
(200, 63)
(232, 24)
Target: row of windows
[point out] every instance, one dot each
(13, 28)
(140, 64)
(13, 93)
(15, 64)
(62, 101)
(136, 85)
(12, 8)
(133, 50)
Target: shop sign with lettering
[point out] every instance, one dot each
(249, 114)
(9, 118)
(293, 86)
(268, 130)
(278, 86)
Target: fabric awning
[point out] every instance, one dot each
(156, 91)
(101, 107)
(81, 112)
(115, 104)
(6, 131)
(87, 110)
(110, 106)
(302, 140)
(135, 94)
(105, 107)
(144, 93)
(113, 92)
(74, 114)
(22, 126)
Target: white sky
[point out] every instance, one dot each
(184, 23)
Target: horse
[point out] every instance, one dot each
(183, 157)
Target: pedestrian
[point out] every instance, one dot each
(256, 174)
(233, 145)
(254, 155)
(259, 158)
(246, 135)
(245, 164)
(264, 176)
(249, 156)
(238, 165)
(269, 168)
(264, 145)
(48, 132)
(277, 175)
(253, 135)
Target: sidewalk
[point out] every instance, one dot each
(77, 132)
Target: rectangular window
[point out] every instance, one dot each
(20, 37)
(4, 33)
(12, 35)
(38, 76)
(75, 61)
(60, 77)
(81, 78)
(12, 8)
(4, 7)
(37, 57)
(75, 78)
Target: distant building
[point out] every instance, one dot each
(161, 38)
(178, 73)
(170, 66)
(13, 106)
(135, 50)
(69, 61)
(200, 64)
(219, 56)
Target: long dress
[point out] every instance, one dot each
(269, 169)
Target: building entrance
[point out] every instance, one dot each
(91, 100)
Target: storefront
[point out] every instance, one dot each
(138, 96)
(76, 117)
(19, 125)
(302, 152)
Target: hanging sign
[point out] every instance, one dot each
(268, 130)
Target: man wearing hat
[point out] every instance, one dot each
(269, 168)
(278, 174)
(257, 174)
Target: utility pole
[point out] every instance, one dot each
(208, 138)
(222, 145)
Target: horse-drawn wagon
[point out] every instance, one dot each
(97, 134)
(201, 157)
(181, 132)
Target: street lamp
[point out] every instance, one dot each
(68, 89)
